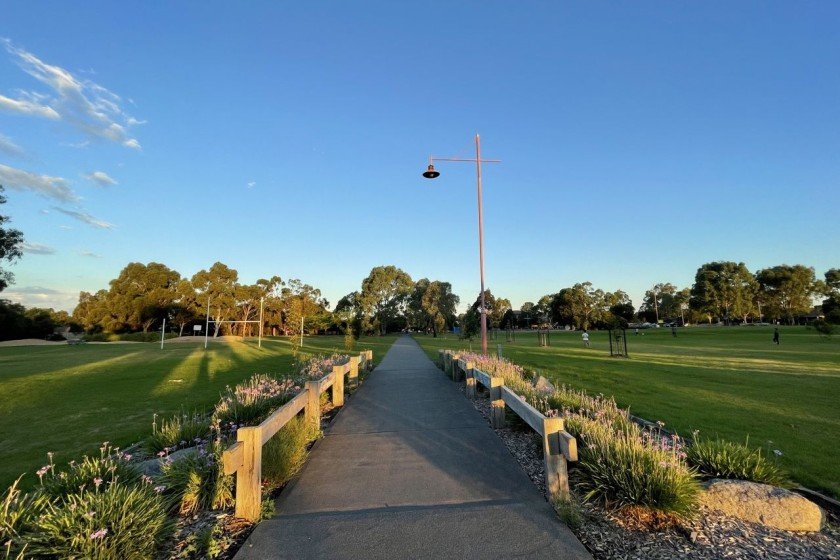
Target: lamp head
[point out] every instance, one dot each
(430, 173)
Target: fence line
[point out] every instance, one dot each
(559, 446)
(244, 458)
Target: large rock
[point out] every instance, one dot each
(764, 504)
(543, 385)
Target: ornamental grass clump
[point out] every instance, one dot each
(285, 453)
(18, 514)
(251, 401)
(620, 469)
(181, 430)
(196, 482)
(717, 458)
(110, 467)
(102, 523)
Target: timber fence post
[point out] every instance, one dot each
(556, 471)
(249, 477)
(353, 375)
(470, 379)
(312, 412)
(497, 414)
(338, 386)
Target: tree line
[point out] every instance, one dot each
(722, 292)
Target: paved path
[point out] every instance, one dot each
(409, 469)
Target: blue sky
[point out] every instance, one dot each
(639, 140)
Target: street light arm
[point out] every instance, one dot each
(431, 159)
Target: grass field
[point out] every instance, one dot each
(732, 382)
(69, 399)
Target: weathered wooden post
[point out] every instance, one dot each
(369, 355)
(440, 358)
(353, 374)
(556, 472)
(497, 413)
(470, 379)
(312, 413)
(249, 477)
(338, 386)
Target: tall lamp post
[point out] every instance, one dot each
(431, 173)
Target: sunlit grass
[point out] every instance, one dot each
(727, 382)
(69, 399)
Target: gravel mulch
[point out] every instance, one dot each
(710, 535)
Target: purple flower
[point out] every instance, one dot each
(100, 534)
(97, 481)
(160, 489)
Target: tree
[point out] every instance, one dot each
(581, 305)
(10, 241)
(495, 310)
(723, 290)
(219, 286)
(787, 290)
(186, 307)
(438, 304)
(384, 296)
(142, 294)
(831, 306)
(659, 302)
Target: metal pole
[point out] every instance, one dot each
(259, 340)
(162, 332)
(301, 331)
(207, 324)
(481, 244)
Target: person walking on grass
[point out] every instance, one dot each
(776, 335)
(585, 337)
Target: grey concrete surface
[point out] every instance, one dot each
(409, 469)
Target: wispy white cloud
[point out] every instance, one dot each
(36, 248)
(26, 107)
(78, 145)
(85, 217)
(10, 148)
(101, 178)
(39, 296)
(53, 187)
(252, 184)
(65, 227)
(87, 106)
(90, 254)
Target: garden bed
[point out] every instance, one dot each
(622, 535)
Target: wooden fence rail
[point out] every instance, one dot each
(245, 456)
(559, 446)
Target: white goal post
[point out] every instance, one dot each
(219, 323)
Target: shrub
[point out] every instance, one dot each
(319, 366)
(285, 453)
(111, 466)
(182, 430)
(621, 469)
(724, 459)
(18, 514)
(196, 481)
(251, 401)
(117, 521)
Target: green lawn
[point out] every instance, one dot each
(69, 399)
(732, 382)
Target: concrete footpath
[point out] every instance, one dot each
(409, 469)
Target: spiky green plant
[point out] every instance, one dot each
(285, 453)
(111, 466)
(179, 430)
(196, 481)
(724, 459)
(114, 521)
